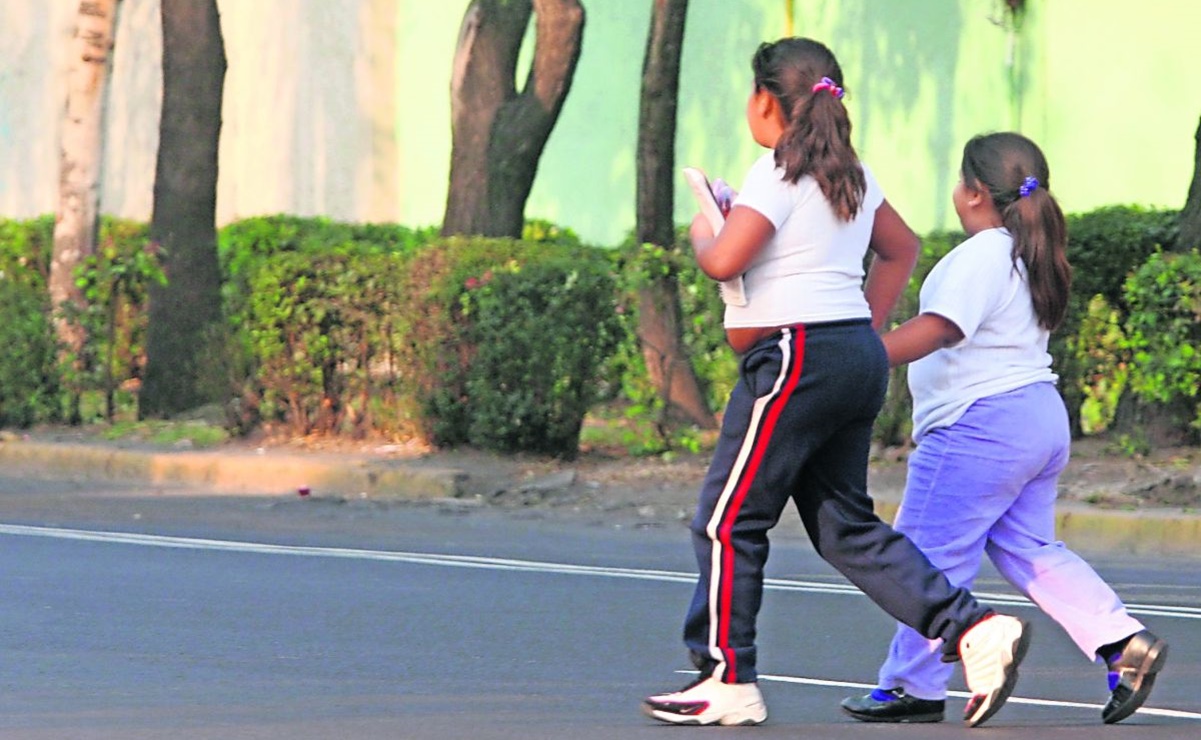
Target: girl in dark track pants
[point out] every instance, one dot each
(798, 423)
(798, 426)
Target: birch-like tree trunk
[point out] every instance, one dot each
(81, 155)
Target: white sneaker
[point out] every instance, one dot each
(707, 702)
(991, 650)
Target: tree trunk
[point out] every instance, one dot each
(79, 175)
(659, 328)
(498, 133)
(184, 338)
(1190, 215)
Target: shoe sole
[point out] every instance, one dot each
(1144, 681)
(744, 718)
(983, 706)
(897, 720)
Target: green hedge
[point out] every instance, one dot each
(503, 341)
(1105, 246)
(29, 384)
(378, 328)
(488, 342)
(1163, 330)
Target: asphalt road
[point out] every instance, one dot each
(134, 613)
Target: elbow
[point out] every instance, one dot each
(722, 273)
(718, 269)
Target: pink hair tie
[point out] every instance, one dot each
(828, 84)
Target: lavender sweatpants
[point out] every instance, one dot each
(987, 484)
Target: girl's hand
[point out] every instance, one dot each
(724, 195)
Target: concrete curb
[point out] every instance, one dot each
(1087, 528)
(223, 471)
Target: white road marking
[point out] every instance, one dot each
(535, 566)
(964, 695)
(474, 561)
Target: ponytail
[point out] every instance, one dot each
(805, 78)
(1014, 171)
(1040, 240)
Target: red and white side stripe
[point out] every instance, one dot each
(764, 415)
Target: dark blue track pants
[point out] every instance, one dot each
(798, 426)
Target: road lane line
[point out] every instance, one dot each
(475, 561)
(1152, 711)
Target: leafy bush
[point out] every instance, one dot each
(311, 302)
(1163, 329)
(114, 281)
(1107, 244)
(538, 334)
(1104, 246)
(25, 249)
(116, 286)
(502, 339)
(244, 246)
(317, 332)
(29, 386)
(701, 332)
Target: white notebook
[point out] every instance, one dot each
(733, 292)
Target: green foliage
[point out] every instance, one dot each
(29, 385)
(1104, 246)
(1107, 244)
(701, 331)
(538, 333)
(244, 246)
(116, 282)
(311, 304)
(1163, 329)
(317, 333)
(25, 249)
(545, 232)
(502, 341)
(1102, 358)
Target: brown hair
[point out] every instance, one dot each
(1014, 172)
(817, 138)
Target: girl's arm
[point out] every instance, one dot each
(731, 252)
(895, 250)
(918, 337)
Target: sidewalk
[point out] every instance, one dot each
(655, 492)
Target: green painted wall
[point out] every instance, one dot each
(1108, 89)
(342, 107)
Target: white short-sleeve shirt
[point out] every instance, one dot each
(812, 269)
(978, 287)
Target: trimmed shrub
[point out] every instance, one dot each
(1104, 246)
(29, 385)
(503, 340)
(1163, 332)
(25, 249)
(317, 334)
(539, 333)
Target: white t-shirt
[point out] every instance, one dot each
(978, 288)
(812, 269)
